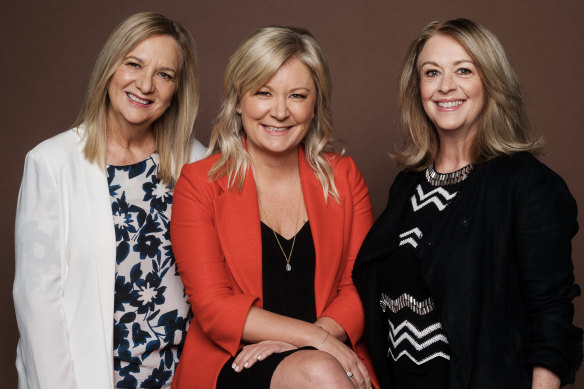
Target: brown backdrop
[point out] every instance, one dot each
(48, 49)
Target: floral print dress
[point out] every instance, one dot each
(151, 312)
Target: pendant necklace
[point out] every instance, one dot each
(289, 256)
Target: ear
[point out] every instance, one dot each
(238, 109)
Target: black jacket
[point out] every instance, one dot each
(498, 264)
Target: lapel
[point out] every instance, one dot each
(240, 235)
(238, 228)
(326, 223)
(98, 210)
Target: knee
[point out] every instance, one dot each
(316, 369)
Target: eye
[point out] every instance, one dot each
(431, 73)
(166, 76)
(133, 65)
(464, 71)
(263, 93)
(298, 96)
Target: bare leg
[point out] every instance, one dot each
(310, 369)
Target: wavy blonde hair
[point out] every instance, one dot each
(174, 129)
(503, 126)
(254, 62)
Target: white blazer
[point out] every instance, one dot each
(65, 268)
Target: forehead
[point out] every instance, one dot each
(443, 48)
(162, 48)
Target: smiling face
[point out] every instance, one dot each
(143, 85)
(450, 86)
(276, 117)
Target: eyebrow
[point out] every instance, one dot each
(455, 62)
(141, 61)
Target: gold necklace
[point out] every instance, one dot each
(289, 256)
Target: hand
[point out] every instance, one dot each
(252, 353)
(349, 360)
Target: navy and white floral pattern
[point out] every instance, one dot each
(150, 310)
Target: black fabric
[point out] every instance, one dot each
(499, 267)
(432, 375)
(289, 293)
(259, 376)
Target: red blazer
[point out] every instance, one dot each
(216, 241)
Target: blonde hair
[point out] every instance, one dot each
(503, 127)
(174, 129)
(254, 62)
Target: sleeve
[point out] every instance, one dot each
(346, 309)
(45, 359)
(220, 312)
(545, 225)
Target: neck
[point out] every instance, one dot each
(275, 170)
(454, 153)
(126, 145)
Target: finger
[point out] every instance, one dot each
(364, 374)
(241, 358)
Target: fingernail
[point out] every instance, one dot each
(245, 364)
(260, 356)
(235, 367)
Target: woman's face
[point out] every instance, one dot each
(278, 115)
(143, 85)
(450, 87)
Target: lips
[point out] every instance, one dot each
(276, 129)
(450, 104)
(137, 99)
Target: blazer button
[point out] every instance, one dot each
(429, 244)
(465, 222)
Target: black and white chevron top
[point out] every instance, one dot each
(415, 335)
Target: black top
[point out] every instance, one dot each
(414, 332)
(289, 293)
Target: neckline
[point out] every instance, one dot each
(153, 157)
(304, 224)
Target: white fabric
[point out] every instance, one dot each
(65, 266)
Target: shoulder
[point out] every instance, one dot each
(342, 165)
(60, 149)
(198, 151)
(522, 169)
(196, 174)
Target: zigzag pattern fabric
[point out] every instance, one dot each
(414, 332)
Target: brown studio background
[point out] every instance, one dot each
(48, 50)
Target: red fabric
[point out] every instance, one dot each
(216, 241)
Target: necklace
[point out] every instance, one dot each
(289, 256)
(439, 179)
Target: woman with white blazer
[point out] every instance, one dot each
(98, 299)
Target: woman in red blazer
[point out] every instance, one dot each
(265, 232)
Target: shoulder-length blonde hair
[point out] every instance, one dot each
(503, 127)
(254, 62)
(174, 129)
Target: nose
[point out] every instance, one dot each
(447, 83)
(144, 83)
(280, 108)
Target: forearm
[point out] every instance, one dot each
(544, 379)
(332, 327)
(263, 325)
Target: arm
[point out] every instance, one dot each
(545, 225)
(39, 276)
(544, 379)
(344, 317)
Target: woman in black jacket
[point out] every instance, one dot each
(467, 278)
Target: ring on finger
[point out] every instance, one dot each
(350, 375)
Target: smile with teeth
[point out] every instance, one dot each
(137, 99)
(276, 129)
(450, 104)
